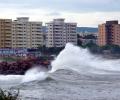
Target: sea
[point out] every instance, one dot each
(76, 74)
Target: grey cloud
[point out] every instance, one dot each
(54, 14)
(65, 5)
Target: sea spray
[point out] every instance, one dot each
(10, 77)
(70, 58)
(35, 74)
(82, 61)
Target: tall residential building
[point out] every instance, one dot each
(59, 33)
(26, 34)
(109, 33)
(5, 33)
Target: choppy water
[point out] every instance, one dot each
(68, 85)
(76, 75)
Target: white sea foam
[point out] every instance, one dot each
(34, 74)
(71, 58)
(82, 61)
(10, 77)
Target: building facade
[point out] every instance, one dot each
(59, 33)
(5, 33)
(26, 34)
(102, 35)
(109, 33)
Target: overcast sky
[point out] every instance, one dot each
(84, 12)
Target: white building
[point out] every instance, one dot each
(26, 34)
(59, 33)
(87, 33)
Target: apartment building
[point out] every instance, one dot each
(109, 33)
(5, 33)
(26, 34)
(59, 33)
(102, 35)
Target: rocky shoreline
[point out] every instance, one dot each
(19, 67)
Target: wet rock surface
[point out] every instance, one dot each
(21, 66)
